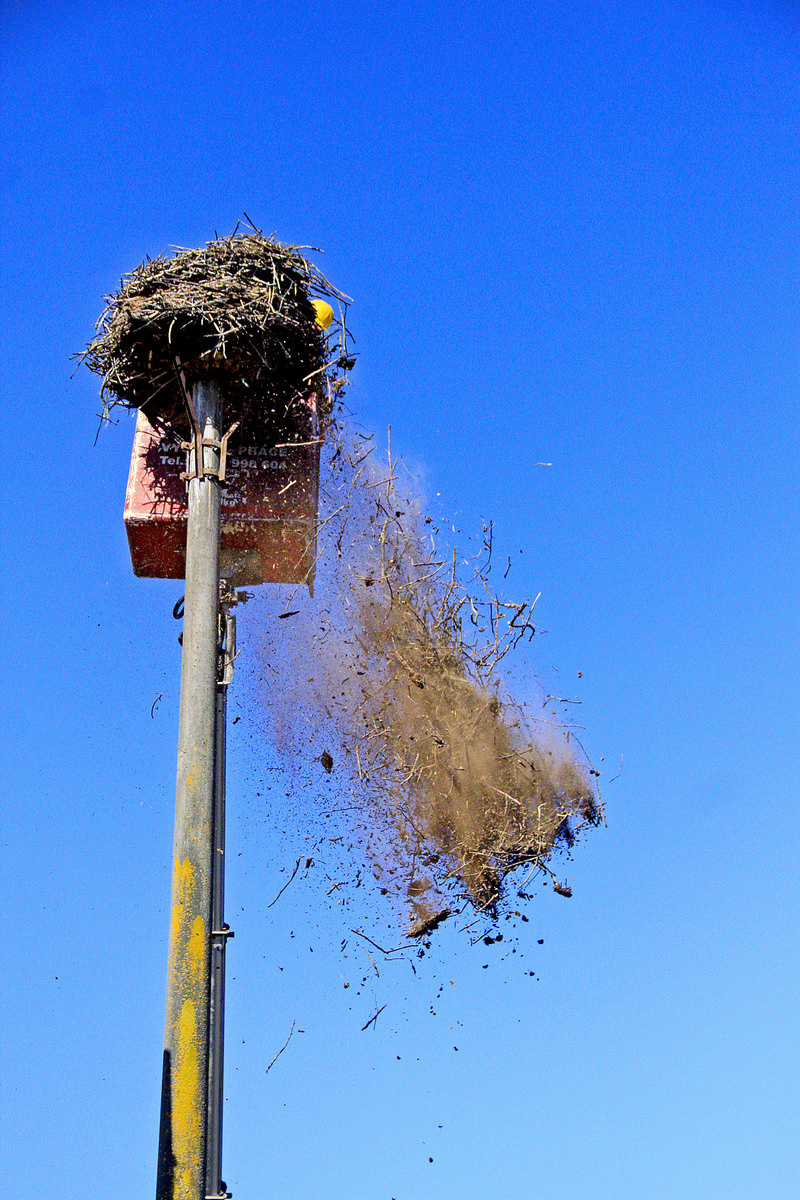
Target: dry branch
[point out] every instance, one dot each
(280, 1052)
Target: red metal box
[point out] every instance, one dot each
(269, 508)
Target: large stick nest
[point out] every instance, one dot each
(239, 310)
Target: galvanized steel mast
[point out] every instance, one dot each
(184, 1098)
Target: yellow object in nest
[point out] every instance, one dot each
(323, 313)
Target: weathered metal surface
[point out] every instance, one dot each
(219, 937)
(269, 506)
(181, 1173)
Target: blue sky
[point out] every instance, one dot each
(571, 235)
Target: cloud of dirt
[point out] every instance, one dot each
(392, 671)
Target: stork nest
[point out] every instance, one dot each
(237, 310)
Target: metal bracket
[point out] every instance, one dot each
(223, 451)
(220, 444)
(204, 470)
(200, 469)
(197, 444)
(225, 932)
(229, 598)
(226, 643)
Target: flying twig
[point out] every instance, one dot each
(372, 960)
(280, 1052)
(619, 772)
(373, 1019)
(375, 944)
(288, 881)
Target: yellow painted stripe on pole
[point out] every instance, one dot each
(188, 947)
(183, 877)
(196, 950)
(187, 1116)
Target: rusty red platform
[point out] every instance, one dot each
(269, 508)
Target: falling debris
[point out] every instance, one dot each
(283, 1047)
(421, 927)
(453, 785)
(373, 1018)
(288, 881)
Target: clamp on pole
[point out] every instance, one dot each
(198, 441)
(228, 599)
(220, 444)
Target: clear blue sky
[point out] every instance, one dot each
(571, 232)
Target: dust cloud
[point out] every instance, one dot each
(389, 679)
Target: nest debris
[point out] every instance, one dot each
(239, 310)
(455, 786)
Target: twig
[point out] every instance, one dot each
(280, 1052)
(158, 697)
(372, 1020)
(294, 445)
(288, 881)
(372, 960)
(375, 944)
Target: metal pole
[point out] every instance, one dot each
(219, 930)
(184, 1094)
